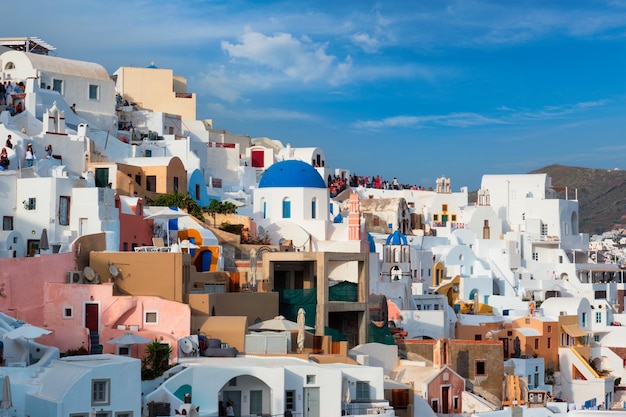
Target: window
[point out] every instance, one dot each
(481, 368)
(598, 317)
(362, 390)
(7, 222)
(138, 179)
(456, 403)
(64, 210)
(197, 191)
(286, 209)
(100, 392)
(57, 85)
(232, 382)
(151, 317)
(264, 209)
(527, 321)
(175, 184)
(596, 338)
(544, 229)
(9, 66)
(94, 92)
(435, 217)
(30, 204)
(313, 208)
(584, 319)
(151, 183)
(478, 337)
(68, 312)
(123, 350)
(310, 379)
(435, 405)
(549, 328)
(453, 217)
(549, 343)
(256, 402)
(444, 207)
(290, 400)
(535, 256)
(536, 343)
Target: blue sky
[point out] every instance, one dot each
(413, 89)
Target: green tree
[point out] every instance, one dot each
(221, 207)
(181, 201)
(156, 360)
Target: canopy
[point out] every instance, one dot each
(573, 330)
(278, 324)
(166, 213)
(129, 338)
(26, 331)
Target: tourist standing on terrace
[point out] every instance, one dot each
(30, 155)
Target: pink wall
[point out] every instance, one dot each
(134, 228)
(70, 332)
(22, 283)
(35, 290)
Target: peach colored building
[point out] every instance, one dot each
(489, 329)
(156, 89)
(74, 311)
(148, 177)
(535, 336)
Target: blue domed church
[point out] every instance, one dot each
(292, 197)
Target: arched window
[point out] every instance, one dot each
(286, 208)
(396, 273)
(314, 208)
(9, 66)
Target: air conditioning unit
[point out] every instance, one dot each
(75, 277)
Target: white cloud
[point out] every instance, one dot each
(366, 42)
(297, 59)
(506, 116)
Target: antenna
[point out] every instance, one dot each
(90, 274)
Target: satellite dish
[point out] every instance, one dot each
(186, 346)
(90, 274)
(114, 271)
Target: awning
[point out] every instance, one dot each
(573, 330)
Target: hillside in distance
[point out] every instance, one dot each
(601, 195)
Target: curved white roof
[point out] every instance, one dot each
(62, 65)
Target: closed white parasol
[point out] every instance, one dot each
(301, 326)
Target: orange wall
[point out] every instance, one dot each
(547, 330)
(145, 273)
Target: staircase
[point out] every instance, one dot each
(96, 347)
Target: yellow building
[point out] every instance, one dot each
(156, 89)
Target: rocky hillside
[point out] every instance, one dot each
(601, 195)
